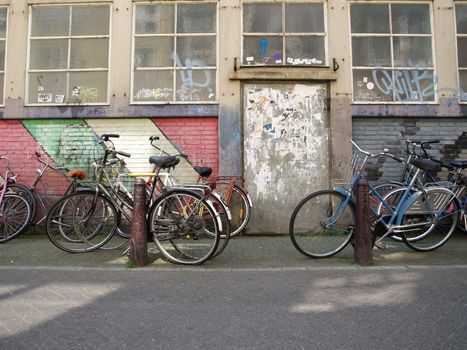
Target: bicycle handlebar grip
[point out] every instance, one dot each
(430, 141)
(152, 138)
(106, 137)
(125, 154)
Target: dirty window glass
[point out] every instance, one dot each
(461, 28)
(392, 52)
(284, 33)
(175, 53)
(68, 54)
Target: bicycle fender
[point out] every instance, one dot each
(218, 219)
(409, 201)
(224, 206)
(344, 193)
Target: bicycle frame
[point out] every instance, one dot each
(393, 225)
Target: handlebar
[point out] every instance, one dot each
(37, 156)
(106, 138)
(155, 138)
(385, 153)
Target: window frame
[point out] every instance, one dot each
(459, 69)
(69, 70)
(3, 69)
(285, 34)
(391, 35)
(174, 67)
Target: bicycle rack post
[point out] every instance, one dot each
(139, 241)
(363, 235)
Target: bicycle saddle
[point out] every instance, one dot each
(203, 171)
(426, 164)
(164, 162)
(459, 163)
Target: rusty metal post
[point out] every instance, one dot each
(363, 252)
(139, 241)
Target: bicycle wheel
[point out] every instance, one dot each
(382, 189)
(184, 227)
(430, 219)
(238, 204)
(27, 194)
(322, 224)
(462, 221)
(221, 209)
(123, 232)
(81, 222)
(14, 216)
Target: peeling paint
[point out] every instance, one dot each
(286, 148)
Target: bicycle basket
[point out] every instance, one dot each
(355, 165)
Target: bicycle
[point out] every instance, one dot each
(229, 188)
(179, 219)
(15, 211)
(31, 194)
(323, 223)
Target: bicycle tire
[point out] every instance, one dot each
(27, 194)
(307, 229)
(238, 204)
(81, 222)
(462, 222)
(179, 221)
(221, 209)
(123, 232)
(15, 213)
(435, 215)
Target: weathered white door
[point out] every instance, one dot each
(286, 149)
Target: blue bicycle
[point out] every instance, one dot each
(323, 223)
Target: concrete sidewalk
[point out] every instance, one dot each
(245, 252)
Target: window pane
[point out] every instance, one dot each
(153, 86)
(412, 52)
(90, 20)
(461, 18)
(196, 18)
(305, 50)
(49, 54)
(413, 85)
(2, 55)
(369, 85)
(50, 21)
(462, 52)
(88, 87)
(3, 20)
(304, 18)
(367, 18)
(196, 51)
(89, 53)
(410, 19)
(196, 85)
(263, 50)
(154, 19)
(463, 85)
(371, 51)
(47, 87)
(262, 18)
(153, 51)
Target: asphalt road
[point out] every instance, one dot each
(341, 307)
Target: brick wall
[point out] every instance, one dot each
(19, 146)
(374, 134)
(196, 137)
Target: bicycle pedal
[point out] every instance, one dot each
(380, 246)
